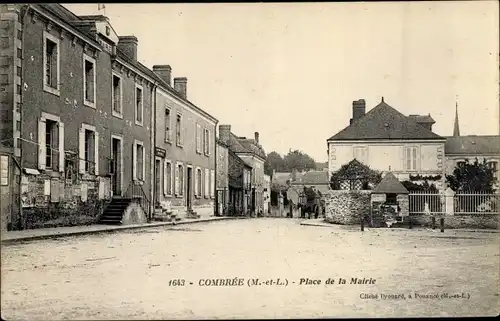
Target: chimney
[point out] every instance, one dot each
(128, 45)
(358, 110)
(257, 137)
(224, 133)
(180, 85)
(164, 72)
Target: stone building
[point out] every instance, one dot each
(239, 186)
(386, 140)
(185, 150)
(88, 130)
(83, 111)
(252, 153)
(222, 178)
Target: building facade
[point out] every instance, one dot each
(386, 140)
(84, 123)
(222, 178)
(253, 154)
(185, 150)
(240, 186)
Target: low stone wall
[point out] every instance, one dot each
(346, 206)
(482, 221)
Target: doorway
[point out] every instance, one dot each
(158, 177)
(115, 166)
(189, 188)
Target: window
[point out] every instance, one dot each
(198, 138)
(494, 166)
(180, 179)
(89, 150)
(411, 158)
(51, 64)
(4, 170)
(178, 135)
(206, 142)
(361, 154)
(168, 134)
(117, 96)
(198, 182)
(89, 80)
(168, 178)
(50, 145)
(212, 183)
(138, 105)
(139, 161)
(140, 164)
(207, 183)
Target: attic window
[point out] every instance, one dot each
(108, 31)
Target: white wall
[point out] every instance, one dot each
(390, 154)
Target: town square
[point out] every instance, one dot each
(249, 160)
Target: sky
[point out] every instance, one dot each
(290, 71)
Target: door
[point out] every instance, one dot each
(158, 178)
(189, 187)
(115, 167)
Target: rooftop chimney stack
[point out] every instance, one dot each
(257, 137)
(180, 85)
(358, 110)
(164, 72)
(128, 45)
(224, 133)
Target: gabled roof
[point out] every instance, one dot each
(472, 145)
(390, 185)
(245, 146)
(384, 122)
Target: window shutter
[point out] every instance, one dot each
(96, 153)
(143, 163)
(61, 147)
(208, 143)
(91, 84)
(414, 158)
(81, 150)
(198, 138)
(176, 180)
(42, 148)
(207, 181)
(134, 162)
(165, 183)
(196, 181)
(212, 183)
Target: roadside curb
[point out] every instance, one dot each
(319, 224)
(113, 229)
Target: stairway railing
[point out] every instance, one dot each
(136, 192)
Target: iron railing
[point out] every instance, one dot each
(136, 192)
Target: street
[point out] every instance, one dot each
(130, 274)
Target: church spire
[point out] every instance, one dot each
(456, 128)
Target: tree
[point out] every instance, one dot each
(274, 161)
(299, 161)
(476, 176)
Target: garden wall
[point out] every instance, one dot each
(346, 206)
(483, 221)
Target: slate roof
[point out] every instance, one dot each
(245, 146)
(390, 185)
(472, 145)
(422, 118)
(384, 122)
(281, 178)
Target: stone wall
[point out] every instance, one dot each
(346, 206)
(481, 221)
(52, 201)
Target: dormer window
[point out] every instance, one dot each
(108, 30)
